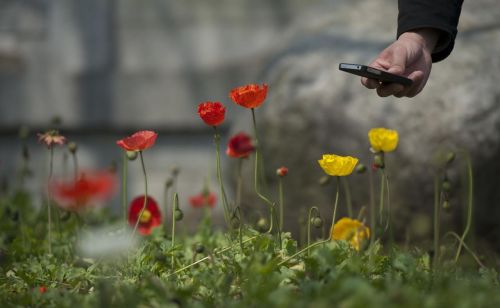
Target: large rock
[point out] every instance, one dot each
(313, 108)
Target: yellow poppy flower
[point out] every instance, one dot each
(351, 230)
(335, 165)
(383, 139)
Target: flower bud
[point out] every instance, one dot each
(169, 182)
(378, 161)
(446, 205)
(175, 171)
(262, 224)
(72, 147)
(450, 157)
(446, 185)
(317, 222)
(235, 222)
(324, 180)
(24, 132)
(360, 168)
(178, 215)
(282, 171)
(131, 155)
(26, 152)
(199, 248)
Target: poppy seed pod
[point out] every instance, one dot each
(450, 157)
(72, 147)
(317, 222)
(446, 185)
(360, 168)
(378, 161)
(131, 155)
(178, 215)
(446, 205)
(262, 224)
(199, 248)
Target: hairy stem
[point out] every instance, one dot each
(145, 194)
(470, 205)
(124, 186)
(225, 204)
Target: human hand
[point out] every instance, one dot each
(409, 56)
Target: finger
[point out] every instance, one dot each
(370, 83)
(418, 84)
(389, 89)
(398, 61)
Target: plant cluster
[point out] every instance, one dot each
(61, 255)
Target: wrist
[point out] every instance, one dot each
(427, 37)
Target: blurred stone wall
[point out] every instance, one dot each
(109, 67)
(314, 108)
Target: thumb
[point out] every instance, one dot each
(397, 61)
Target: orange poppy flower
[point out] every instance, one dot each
(249, 96)
(139, 141)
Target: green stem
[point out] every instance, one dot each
(331, 229)
(145, 194)
(49, 205)
(388, 187)
(75, 165)
(347, 191)
(470, 206)
(309, 216)
(257, 154)
(124, 186)
(373, 214)
(239, 182)
(436, 222)
(219, 178)
(208, 257)
(334, 208)
(165, 206)
(476, 258)
(281, 200)
(381, 203)
(175, 205)
(256, 177)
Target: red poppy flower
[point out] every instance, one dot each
(282, 171)
(139, 141)
(203, 199)
(42, 289)
(212, 113)
(249, 96)
(51, 138)
(90, 186)
(150, 218)
(240, 146)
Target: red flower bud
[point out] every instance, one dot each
(212, 113)
(240, 146)
(282, 171)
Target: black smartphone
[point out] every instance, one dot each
(373, 73)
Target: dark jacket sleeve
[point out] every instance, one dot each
(442, 15)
